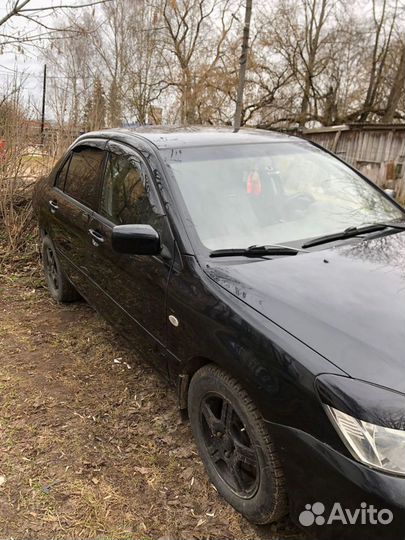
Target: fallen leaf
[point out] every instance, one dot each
(187, 473)
(142, 470)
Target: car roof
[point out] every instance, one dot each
(164, 137)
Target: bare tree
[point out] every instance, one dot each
(310, 62)
(397, 88)
(38, 30)
(196, 42)
(72, 70)
(382, 40)
(316, 14)
(297, 37)
(144, 81)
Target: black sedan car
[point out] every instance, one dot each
(265, 278)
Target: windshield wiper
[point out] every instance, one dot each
(351, 232)
(255, 251)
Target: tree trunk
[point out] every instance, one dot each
(313, 46)
(396, 90)
(242, 69)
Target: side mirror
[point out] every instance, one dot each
(135, 240)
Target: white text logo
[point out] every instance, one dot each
(366, 514)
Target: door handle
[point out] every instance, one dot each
(53, 206)
(96, 237)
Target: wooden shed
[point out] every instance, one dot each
(377, 150)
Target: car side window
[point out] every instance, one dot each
(61, 175)
(125, 194)
(82, 180)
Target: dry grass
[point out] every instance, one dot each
(90, 447)
(22, 161)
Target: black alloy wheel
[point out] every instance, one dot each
(235, 445)
(229, 445)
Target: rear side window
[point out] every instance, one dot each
(82, 180)
(61, 176)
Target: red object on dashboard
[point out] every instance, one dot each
(254, 184)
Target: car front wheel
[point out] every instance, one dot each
(235, 446)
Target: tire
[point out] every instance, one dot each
(235, 446)
(58, 284)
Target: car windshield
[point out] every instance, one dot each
(272, 193)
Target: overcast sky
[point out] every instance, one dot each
(29, 61)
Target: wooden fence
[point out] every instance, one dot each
(378, 151)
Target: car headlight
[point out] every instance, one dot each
(380, 447)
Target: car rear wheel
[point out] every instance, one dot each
(235, 446)
(58, 284)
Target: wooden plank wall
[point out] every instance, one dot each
(378, 153)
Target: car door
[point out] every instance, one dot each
(73, 200)
(132, 288)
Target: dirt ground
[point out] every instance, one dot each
(92, 444)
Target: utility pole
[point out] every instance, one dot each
(43, 106)
(242, 67)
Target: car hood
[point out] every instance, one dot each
(345, 302)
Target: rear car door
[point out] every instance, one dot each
(132, 288)
(74, 198)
